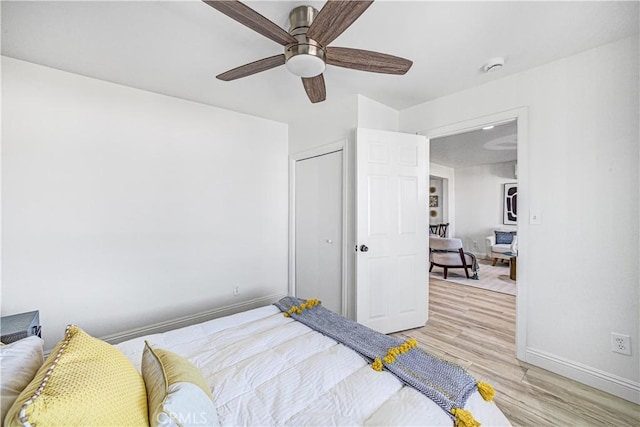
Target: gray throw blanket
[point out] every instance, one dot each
(474, 266)
(445, 383)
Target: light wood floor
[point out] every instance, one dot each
(476, 328)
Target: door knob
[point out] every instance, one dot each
(364, 248)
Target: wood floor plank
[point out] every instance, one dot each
(476, 328)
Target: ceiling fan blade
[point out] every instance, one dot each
(314, 86)
(366, 60)
(335, 17)
(252, 68)
(252, 19)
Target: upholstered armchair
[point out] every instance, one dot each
(448, 253)
(500, 244)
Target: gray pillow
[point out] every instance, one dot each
(504, 237)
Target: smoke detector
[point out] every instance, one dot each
(493, 64)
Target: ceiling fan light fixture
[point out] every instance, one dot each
(305, 59)
(306, 65)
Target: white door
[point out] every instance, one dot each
(392, 230)
(318, 229)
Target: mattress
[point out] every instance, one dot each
(266, 369)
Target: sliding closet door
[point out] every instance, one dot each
(318, 229)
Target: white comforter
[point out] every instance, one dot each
(265, 369)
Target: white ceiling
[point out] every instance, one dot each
(177, 48)
(476, 147)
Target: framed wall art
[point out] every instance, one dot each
(510, 213)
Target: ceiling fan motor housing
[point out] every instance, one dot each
(301, 18)
(306, 58)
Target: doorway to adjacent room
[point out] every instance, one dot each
(475, 161)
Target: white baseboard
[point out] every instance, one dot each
(618, 386)
(192, 319)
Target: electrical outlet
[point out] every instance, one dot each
(621, 343)
(475, 244)
(236, 290)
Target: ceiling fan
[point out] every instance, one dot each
(306, 50)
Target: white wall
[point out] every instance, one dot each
(479, 199)
(375, 115)
(333, 120)
(582, 277)
(122, 208)
(323, 123)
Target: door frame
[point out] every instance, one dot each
(303, 155)
(449, 203)
(524, 205)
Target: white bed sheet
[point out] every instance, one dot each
(265, 369)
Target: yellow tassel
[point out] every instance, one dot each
(464, 418)
(287, 315)
(377, 365)
(486, 391)
(394, 352)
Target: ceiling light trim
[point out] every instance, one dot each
(494, 64)
(507, 142)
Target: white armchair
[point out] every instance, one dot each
(496, 251)
(448, 253)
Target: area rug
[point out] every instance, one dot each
(491, 278)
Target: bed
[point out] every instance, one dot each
(264, 369)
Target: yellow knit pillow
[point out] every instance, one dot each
(84, 382)
(177, 393)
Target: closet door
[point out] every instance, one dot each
(318, 229)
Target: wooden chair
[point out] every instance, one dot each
(442, 230)
(438, 229)
(448, 253)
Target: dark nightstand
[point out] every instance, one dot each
(19, 326)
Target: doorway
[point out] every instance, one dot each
(482, 161)
(510, 168)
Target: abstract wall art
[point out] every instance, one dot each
(510, 204)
